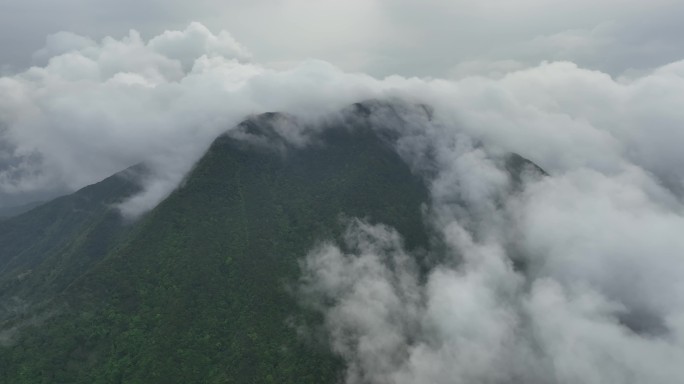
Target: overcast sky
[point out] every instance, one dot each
(408, 37)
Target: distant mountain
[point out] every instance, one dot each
(199, 290)
(15, 210)
(44, 249)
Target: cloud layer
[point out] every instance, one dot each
(95, 108)
(599, 296)
(576, 278)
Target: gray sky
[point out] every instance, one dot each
(412, 38)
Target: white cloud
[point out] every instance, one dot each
(617, 233)
(197, 41)
(95, 109)
(598, 296)
(139, 96)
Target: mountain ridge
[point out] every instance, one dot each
(225, 242)
(197, 289)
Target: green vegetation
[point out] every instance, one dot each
(45, 249)
(199, 290)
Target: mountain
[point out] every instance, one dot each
(15, 210)
(43, 250)
(200, 289)
(199, 293)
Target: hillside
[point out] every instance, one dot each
(16, 210)
(200, 291)
(44, 250)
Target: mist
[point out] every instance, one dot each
(600, 297)
(96, 108)
(575, 277)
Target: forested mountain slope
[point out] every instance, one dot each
(42, 251)
(199, 292)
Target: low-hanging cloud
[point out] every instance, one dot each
(576, 277)
(573, 277)
(95, 108)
